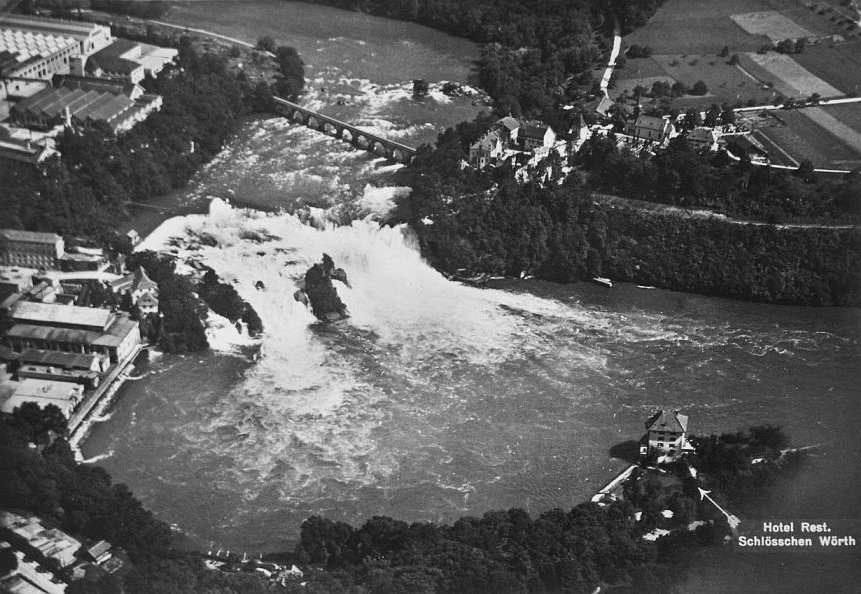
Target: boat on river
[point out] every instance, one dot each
(603, 281)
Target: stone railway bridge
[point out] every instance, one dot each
(361, 139)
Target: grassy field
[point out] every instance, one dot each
(849, 114)
(802, 138)
(788, 77)
(771, 24)
(837, 64)
(726, 84)
(697, 26)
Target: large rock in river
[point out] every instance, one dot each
(320, 294)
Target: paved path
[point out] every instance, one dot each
(705, 214)
(617, 45)
(209, 33)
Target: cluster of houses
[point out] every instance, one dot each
(55, 348)
(48, 558)
(509, 141)
(58, 73)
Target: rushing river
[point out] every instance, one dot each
(435, 400)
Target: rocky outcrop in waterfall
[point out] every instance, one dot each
(320, 294)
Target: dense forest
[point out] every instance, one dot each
(555, 227)
(503, 551)
(85, 191)
(537, 56)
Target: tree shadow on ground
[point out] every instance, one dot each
(628, 451)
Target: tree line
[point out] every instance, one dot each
(553, 227)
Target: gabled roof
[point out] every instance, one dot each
(534, 131)
(134, 281)
(702, 134)
(673, 422)
(509, 123)
(487, 141)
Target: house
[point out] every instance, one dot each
(486, 150)
(532, 137)
(652, 128)
(666, 436)
(142, 290)
(702, 138)
(508, 128)
(30, 248)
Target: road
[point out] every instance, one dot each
(617, 45)
(701, 213)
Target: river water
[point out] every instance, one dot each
(435, 400)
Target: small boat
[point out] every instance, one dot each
(647, 287)
(604, 282)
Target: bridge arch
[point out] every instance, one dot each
(298, 116)
(314, 123)
(399, 156)
(330, 128)
(379, 148)
(362, 142)
(347, 135)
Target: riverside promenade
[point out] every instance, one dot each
(107, 388)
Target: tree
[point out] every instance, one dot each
(805, 171)
(266, 44)
(724, 52)
(734, 60)
(699, 88)
(679, 89)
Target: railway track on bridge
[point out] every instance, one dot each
(368, 141)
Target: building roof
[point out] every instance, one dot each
(534, 131)
(91, 318)
(102, 85)
(134, 281)
(487, 141)
(29, 236)
(509, 123)
(112, 338)
(99, 549)
(673, 422)
(77, 29)
(58, 359)
(651, 123)
(111, 58)
(28, 44)
(702, 134)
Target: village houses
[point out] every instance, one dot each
(508, 137)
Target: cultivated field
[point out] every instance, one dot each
(789, 78)
(849, 114)
(697, 26)
(837, 64)
(773, 25)
(803, 138)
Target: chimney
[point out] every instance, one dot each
(68, 116)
